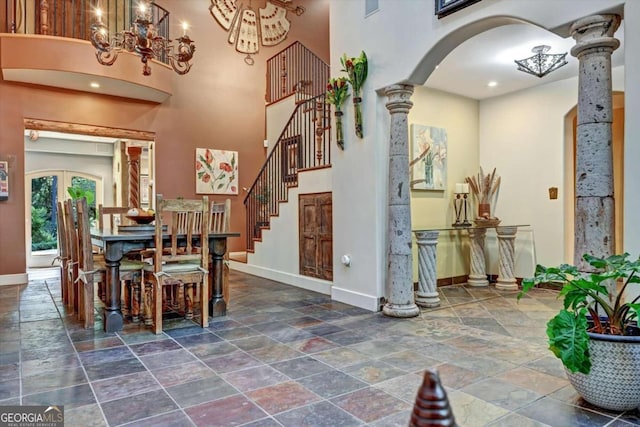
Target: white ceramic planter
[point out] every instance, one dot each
(614, 380)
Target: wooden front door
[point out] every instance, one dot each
(316, 235)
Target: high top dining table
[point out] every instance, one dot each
(115, 244)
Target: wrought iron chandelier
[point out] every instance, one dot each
(542, 63)
(144, 40)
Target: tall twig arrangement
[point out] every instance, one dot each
(357, 70)
(485, 190)
(337, 92)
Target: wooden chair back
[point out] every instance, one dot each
(63, 250)
(113, 212)
(220, 216)
(72, 246)
(184, 219)
(85, 264)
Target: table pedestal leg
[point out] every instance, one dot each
(506, 277)
(217, 305)
(112, 315)
(478, 273)
(427, 294)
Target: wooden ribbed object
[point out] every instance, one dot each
(432, 407)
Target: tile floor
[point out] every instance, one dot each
(289, 357)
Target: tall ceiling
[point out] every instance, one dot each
(490, 56)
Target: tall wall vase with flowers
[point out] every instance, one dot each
(356, 69)
(337, 92)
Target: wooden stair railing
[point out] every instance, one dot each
(303, 144)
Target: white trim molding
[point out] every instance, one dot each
(14, 279)
(304, 282)
(368, 302)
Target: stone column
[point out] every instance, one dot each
(399, 287)
(134, 153)
(478, 273)
(427, 295)
(506, 277)
(594, 217)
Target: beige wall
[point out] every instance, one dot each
(219, 104)
(460, 117)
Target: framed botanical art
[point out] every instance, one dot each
(4, 180)
(447, 7)
(216, 171)
(428, 158)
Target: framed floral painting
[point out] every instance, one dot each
(216, 171)
(428, 163)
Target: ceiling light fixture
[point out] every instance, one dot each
(492, 84)
(542, 63)
(143, 39)
(94, 85)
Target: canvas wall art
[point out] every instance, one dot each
(428, 158)
(216, 171)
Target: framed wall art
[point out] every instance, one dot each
(428, 158)
(216, 171)
(447, 7)
(4, 180)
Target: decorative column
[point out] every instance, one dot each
(478, 273)
(506, 239)
(427, 295)
(133, 154)
(399, 287)
(594, 214)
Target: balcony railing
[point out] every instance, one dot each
(73, 18)
(295, 70)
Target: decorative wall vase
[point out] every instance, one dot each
(339, 135)
(356, 69)
(484, 210)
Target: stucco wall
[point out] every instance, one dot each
(218, 104)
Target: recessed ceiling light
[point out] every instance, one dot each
(94, 85)
(492, 84)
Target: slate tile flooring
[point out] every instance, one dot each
(285, 356)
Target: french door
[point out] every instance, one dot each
(43, 191)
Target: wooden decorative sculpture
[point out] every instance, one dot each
(248, 29)
(431, 408)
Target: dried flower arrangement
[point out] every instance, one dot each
(485, 189)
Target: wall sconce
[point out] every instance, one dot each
(553, 193)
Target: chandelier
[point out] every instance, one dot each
(143, 39)
(542, 63)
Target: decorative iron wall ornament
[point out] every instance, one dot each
(144, 40)
(542, 63)
(248, 29)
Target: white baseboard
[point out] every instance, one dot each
(14, 279)
(304, 282)
(368, 302)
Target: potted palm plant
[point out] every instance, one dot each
(595, 334)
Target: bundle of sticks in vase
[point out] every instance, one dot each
(485, 189)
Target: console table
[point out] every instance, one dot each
(427, 239)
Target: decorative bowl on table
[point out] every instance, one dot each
(486, 222)
(140, 216)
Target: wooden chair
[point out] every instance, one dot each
(73, 255)
(114, 213)
(220, 218)
(63, 251)
(92, 267)
(179, 265)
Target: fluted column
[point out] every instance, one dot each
(133, 154)
(506, 247)
(478, 273)
(399, 287)
(595, 211)
(427, 295)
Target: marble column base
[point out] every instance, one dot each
(400, 310)
(427, 299)
(478, 281)
(507, 284)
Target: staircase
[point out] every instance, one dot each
(304, 141)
